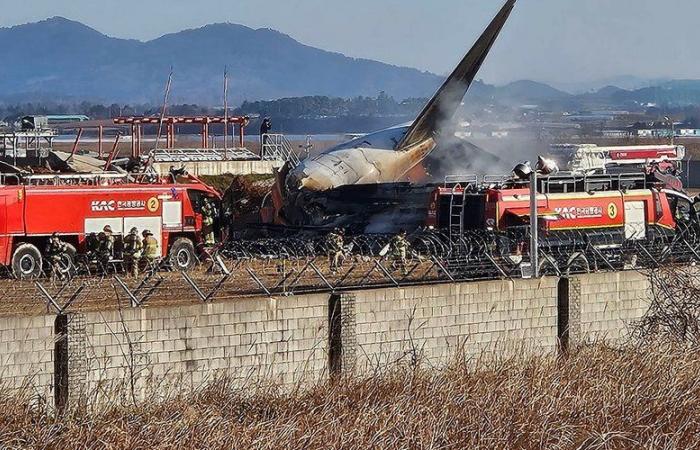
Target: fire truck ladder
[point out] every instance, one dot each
(457, 200)
(457, 211)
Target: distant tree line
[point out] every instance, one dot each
(318, 107)
(312, 107)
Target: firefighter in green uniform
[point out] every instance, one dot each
(92, 246)
(106, 250)
(335, 241)
(208, 214)
(399, 247)
(56, 251)
(132, 252)
(150, 249)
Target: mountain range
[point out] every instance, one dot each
(59, 59)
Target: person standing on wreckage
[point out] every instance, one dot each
(265, 128)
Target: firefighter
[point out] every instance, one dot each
(132, 252)
(150, 255)
(106, 249)
(208, 214)
(399, 247)
(335, 241)
(56, 250)
(92, 246)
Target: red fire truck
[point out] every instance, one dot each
(74, 206)
(603, 208)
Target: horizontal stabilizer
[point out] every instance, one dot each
(444, 104)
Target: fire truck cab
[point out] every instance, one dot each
(75, 206)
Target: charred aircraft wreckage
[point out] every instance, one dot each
(368, 183)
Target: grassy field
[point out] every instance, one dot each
(599, 398)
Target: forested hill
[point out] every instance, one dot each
(62, 59)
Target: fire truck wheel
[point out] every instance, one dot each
(67, 265)
(182, 254)
(26, 262)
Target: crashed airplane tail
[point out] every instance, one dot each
(373, 158)
(444, 104)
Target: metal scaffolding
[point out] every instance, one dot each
(137, 124)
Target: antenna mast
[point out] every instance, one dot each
(165, 102)
(225, 111)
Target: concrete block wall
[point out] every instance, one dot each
(26, 354)
(152, 351)
(433, 323)
(278, 339)
(607, 305)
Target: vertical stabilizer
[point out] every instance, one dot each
(445, 102)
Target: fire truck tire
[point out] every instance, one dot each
(182, 254)
(68, 260)
(26, 262)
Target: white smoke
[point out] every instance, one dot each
(478, 155)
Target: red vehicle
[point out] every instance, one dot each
(602, 208)
(74, 206)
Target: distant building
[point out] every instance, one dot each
(621, 134)
(688, 132)
(654, 132)
(591, 117)
(57, 119)
(47, 121)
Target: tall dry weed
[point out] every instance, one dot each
(598, 398)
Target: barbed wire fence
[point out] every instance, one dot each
(298, 265)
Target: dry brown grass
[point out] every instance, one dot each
(598, 398)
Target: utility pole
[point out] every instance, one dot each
(534, 228)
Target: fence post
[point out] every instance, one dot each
(70, 360)
(60, 362)
(342, 338)
(335, 343)
(563, 316)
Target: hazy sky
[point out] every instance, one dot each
(546, 40)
